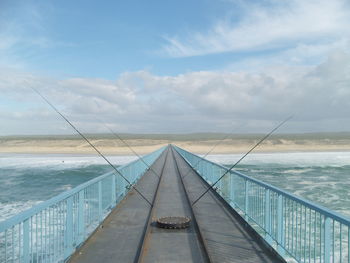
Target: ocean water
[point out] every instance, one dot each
(321, 177)
(26, 180)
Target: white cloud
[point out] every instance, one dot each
(24, 31)
(276, 25)
(301, 57)
(196, 101)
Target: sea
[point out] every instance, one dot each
(321, 177)
(27, 179)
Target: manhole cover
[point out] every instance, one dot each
(173, 222)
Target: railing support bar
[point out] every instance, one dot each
(280, 227)
(268, 216)
(113, 192)
(100, 201)
(232, 192)
(246, 200)
(26, 245)
(327, 240)
(69, 227)
(81, 218)
(348, 244)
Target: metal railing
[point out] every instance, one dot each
(52, 230)
(299, 230)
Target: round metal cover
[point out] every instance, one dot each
(173, 222)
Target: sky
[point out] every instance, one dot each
(175, 66)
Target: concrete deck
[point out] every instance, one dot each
(120, 239)
(167, 245)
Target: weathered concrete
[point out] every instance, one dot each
(164, 245)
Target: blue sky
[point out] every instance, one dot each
(93, 39)
(175, 66)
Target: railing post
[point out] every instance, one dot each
(26, 241)
(219, 185)
(69, 227)
(327, 242)
(280, 245)
(212, 174)
(133, 172)
(348, 244)
(246, 200)
(232, 192)
(267, 216)
(205, 175)
(113, 191)
(138, 169)
(99, 201)
(81, 218)
(123, 182)
(116, 184)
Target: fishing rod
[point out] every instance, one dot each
(212, 149)
(86, 139)
(128, 145)
(123, 141)
(233, 166)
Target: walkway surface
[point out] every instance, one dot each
(215, 234)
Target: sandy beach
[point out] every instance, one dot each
(145, 145)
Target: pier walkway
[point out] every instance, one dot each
(214, 235)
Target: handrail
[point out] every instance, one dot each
(43, 205)
(52, 230)
(343, 219)
(295, 227)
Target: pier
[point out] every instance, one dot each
(240, 220)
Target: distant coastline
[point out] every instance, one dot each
(196, 142)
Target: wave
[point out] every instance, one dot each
(297, 171)
(305, 159)
(12, 208)
(58, 162)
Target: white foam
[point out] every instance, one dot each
(65, 187)
(294, 159)
(62, 161)
(13, 208)
(296, 171)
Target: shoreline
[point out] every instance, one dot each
(130, 154)
(113, 147)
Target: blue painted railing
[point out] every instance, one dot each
(299, 230)
(52, 230)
